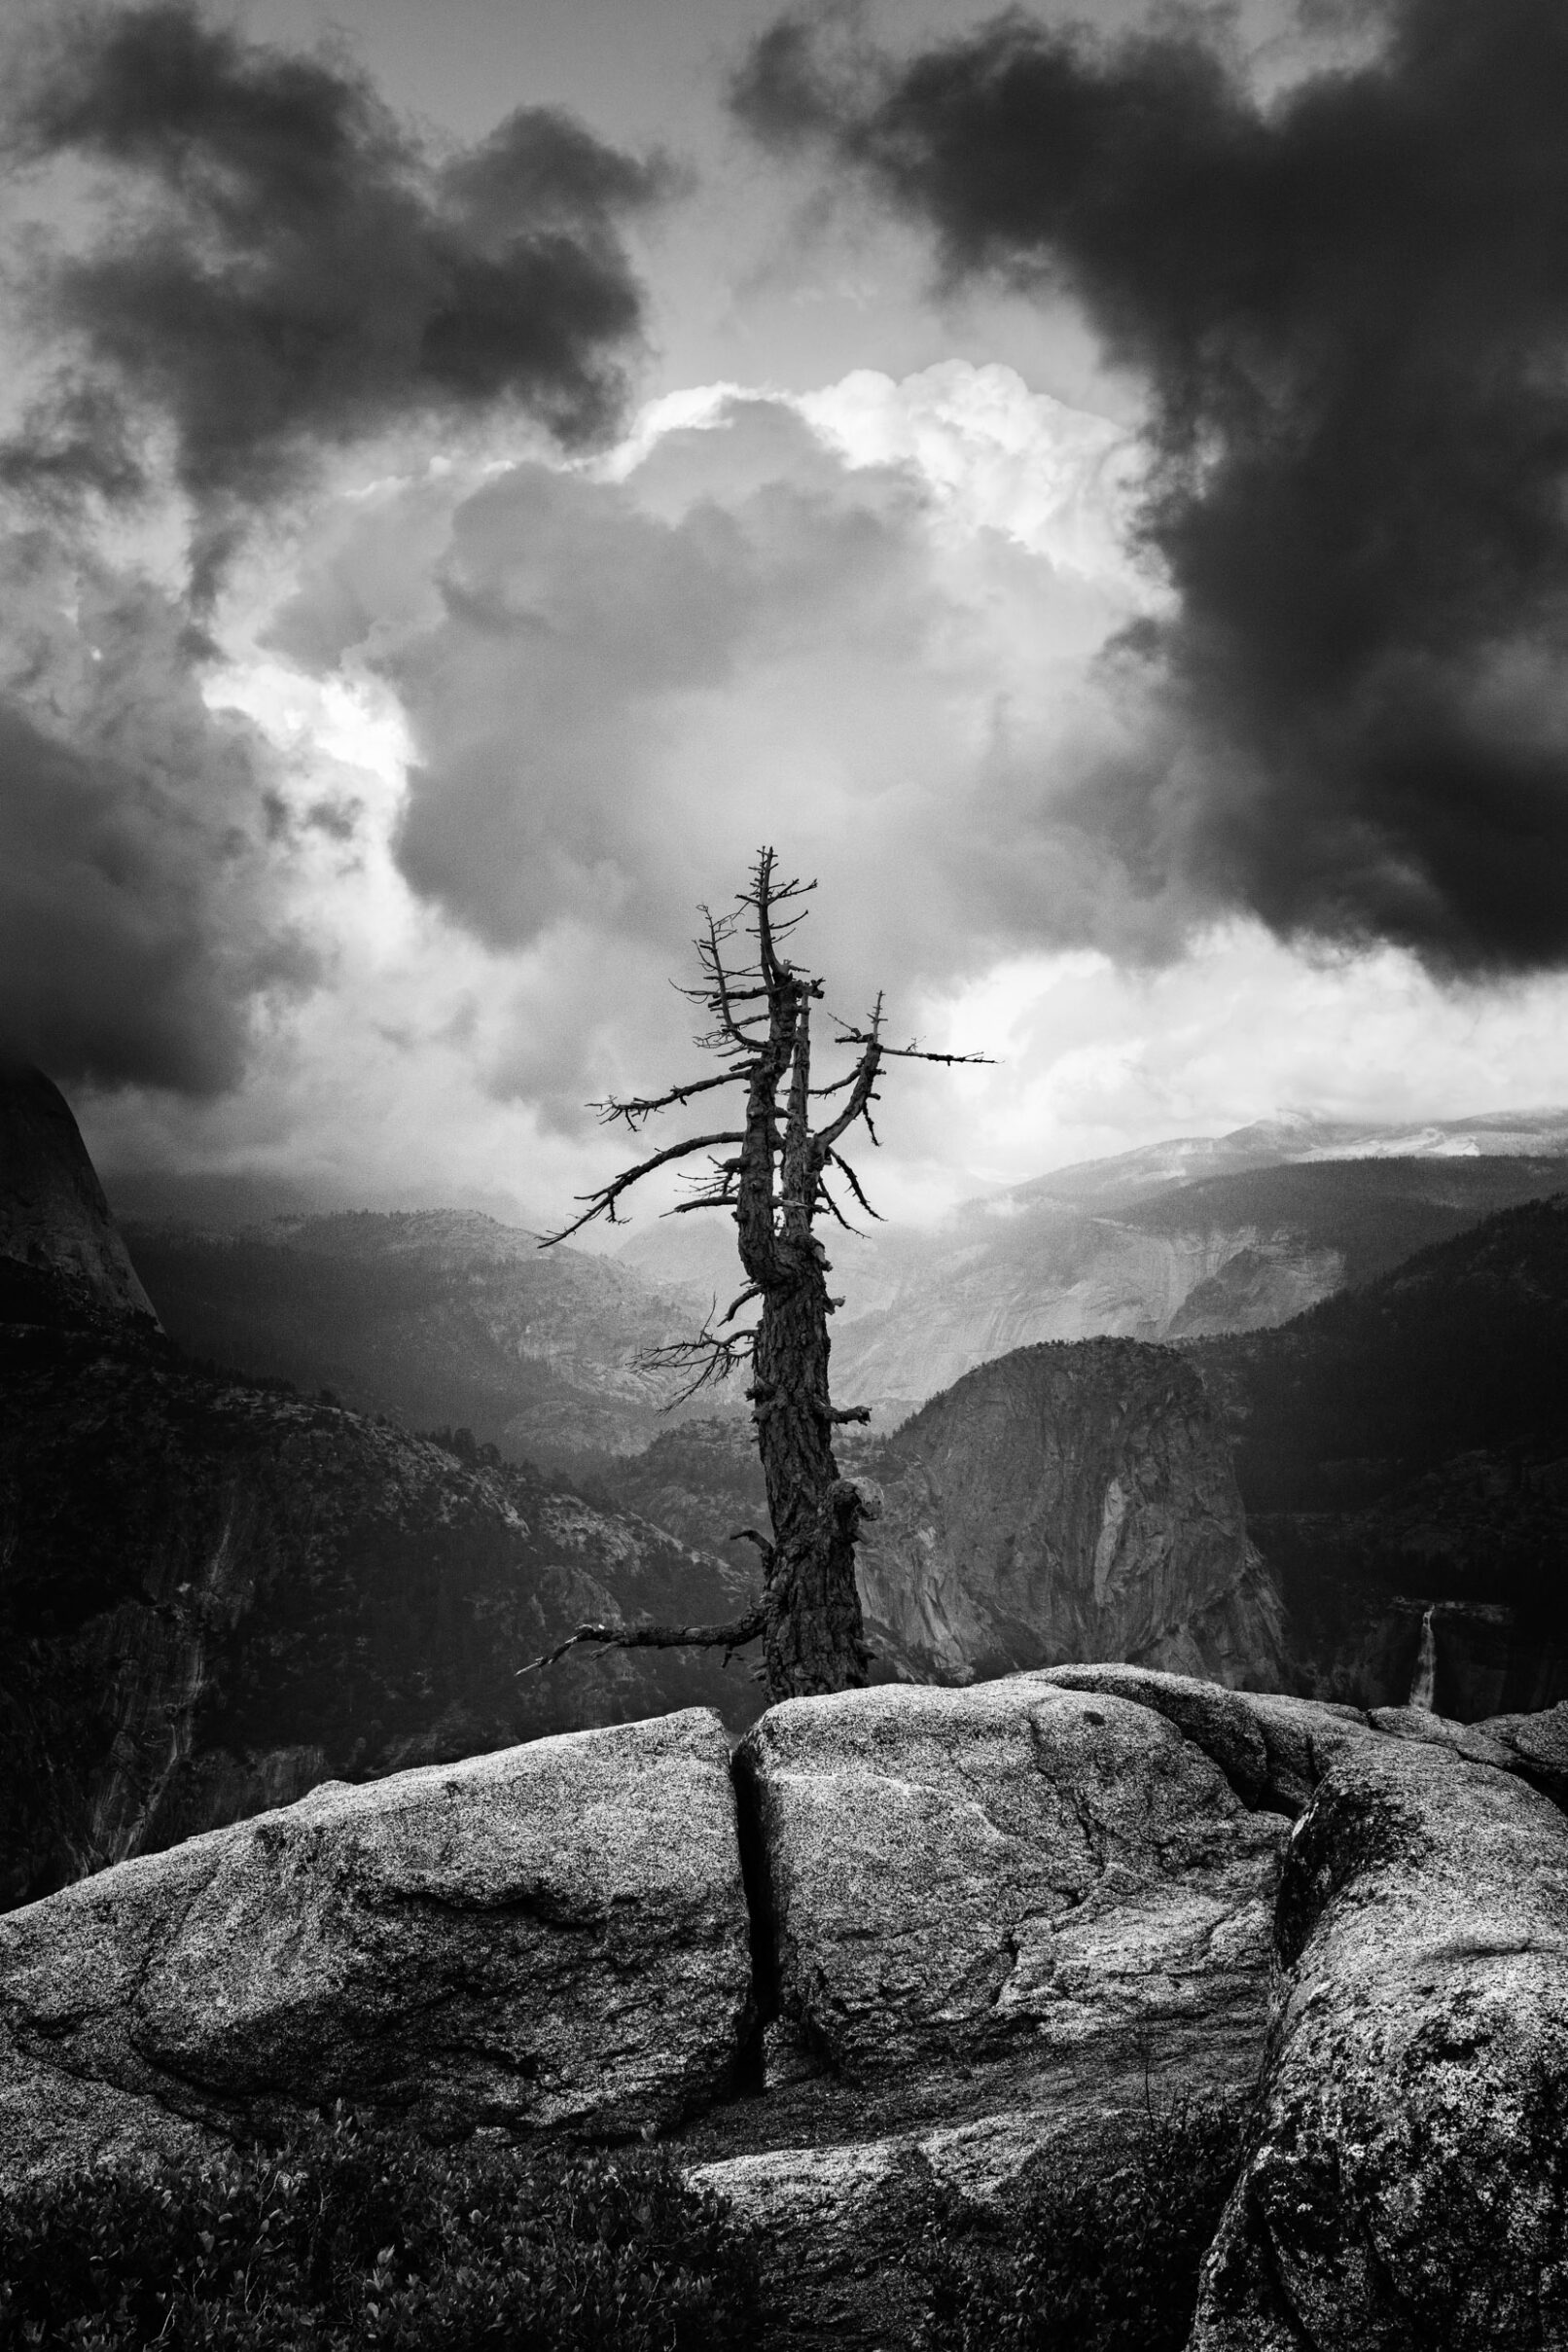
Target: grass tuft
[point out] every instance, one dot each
(353, 2238)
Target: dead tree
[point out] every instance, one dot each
(775, 1174)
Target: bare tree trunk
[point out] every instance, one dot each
(816, 1636)
(775, 1186)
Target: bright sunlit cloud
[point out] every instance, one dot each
(525, 716)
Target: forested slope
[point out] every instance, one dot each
(1405, 1445)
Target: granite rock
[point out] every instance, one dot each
(550, 1938)
(952, 1872)
(1273, 1748)
(990, 1921)
(1537, 1746)
(1407, 2185)
(983, 1924)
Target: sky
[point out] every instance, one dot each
(1092, 498)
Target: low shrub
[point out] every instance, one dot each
(352, 2237)
(1088, 2257)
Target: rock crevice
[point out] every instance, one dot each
(906, 1935)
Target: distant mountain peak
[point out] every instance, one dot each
(53, 1216)
(1288, 1136)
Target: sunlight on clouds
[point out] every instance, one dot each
(989, 454)
(996, 456)
(1095, 1061)
(526, 716)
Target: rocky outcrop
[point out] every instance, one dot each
(1273, 1748)
(1406, 2183)
(53, 1216)
(984, 1924)
(945, 2013)
(990, 1920)
(551, 1939)
(1538, 1745)
(1030, 1865)
(1066, 1502)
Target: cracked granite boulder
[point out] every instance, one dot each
(954, 1874)
(1407, 2185)
(1003, 1915)
(550, 1938)
(992, 1920)
(1273, 1749)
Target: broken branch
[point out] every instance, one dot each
(731, 1637)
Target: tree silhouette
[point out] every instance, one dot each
(775, 1173)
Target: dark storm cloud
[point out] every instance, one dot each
(284, 264)
(1350, 304)
(252, 263)
(143, 845)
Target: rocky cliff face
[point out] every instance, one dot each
(214, 1595)
(1066, 1502)
(1403, 1449)
(53, 1216)
(981, 1924)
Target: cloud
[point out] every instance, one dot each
(813, 619)
(1349, 302)
(145, 845)
(512, 724)
(274, 264)
(238, 263)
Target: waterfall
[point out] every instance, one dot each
(1424, 1681)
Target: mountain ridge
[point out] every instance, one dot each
(1169, 1241)
(435, 1316)
(453, 1317)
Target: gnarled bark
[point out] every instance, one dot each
(774, 1184)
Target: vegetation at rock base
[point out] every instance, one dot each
(352, 2237)
(1085, 2259)
(349, 2234)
